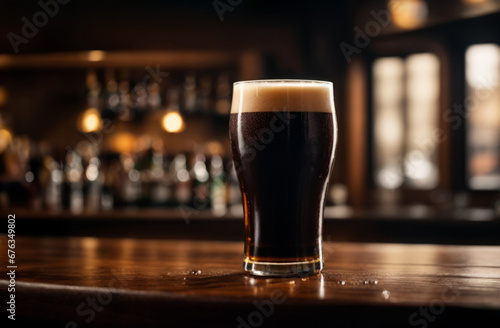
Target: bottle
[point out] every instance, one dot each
(73, 186)
(183, 180)
(201, 184)
(111, 105)
(125, 110)
(154, 99)
(161, 186)
(139, 99)
(32, 176)
(218, 186)
(113, 186)
(172, 97)
(190, 93)
(131, 184)
(107, 200)
(205, 95)
(52, 194)
(233, 190)
(94, 181)
(94, 89)
(223, 95)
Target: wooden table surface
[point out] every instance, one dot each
(82, 281)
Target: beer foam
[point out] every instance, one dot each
(279, 95)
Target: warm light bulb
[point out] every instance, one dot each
(173, 122)
(96, 55)
(408, 14)
(90, 120)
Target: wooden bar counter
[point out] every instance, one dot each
(113, 282)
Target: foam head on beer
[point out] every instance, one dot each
(293, 96)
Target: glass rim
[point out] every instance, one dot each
(291, 81)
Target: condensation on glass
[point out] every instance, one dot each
(482, 106)
(406, 110)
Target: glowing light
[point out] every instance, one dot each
(173, 122)
(90, 120)
(29, 176)
(482, 62)
(421, 170)
(96, 55)
(408, 14)
(121, 142)
(422, 89)
(183, 175)
(482, 66)
(388, 92)
(134, 175)
(390, 177)
(200, 171)
(5, 139)
(388, 73)
(92, 172)
(215, 148)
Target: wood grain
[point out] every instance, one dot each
(157, 282)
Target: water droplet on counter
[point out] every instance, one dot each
(184, 278)
(303, 279)
(292, 282)
(386, 294)
(341, 282)
(195, 272)
(366, 282)
(375, 282)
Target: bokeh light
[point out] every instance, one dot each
(172, 122)
(90, 120)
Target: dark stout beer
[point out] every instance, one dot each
(283, 159)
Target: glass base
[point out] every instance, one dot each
(283, 269)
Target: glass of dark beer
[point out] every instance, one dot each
(283, 136)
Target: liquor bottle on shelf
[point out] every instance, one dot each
(233, 190)
(139, 98)
(130, 184)
(218, 186)
(161, 181)
(201, 184)
(94, 181)
(53, 178)
(73, 186)
(172, 98)
(190, 93)
(183, 180)
(205, 95)
(107, 200)
(111, 103)
(154, 98)
(142, 165)
(223, 95)
(114, 181)
(94, 90)
(32, 176)
(125, 110)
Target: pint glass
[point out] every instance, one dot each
(283, 136)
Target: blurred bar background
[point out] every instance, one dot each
(114, 116)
